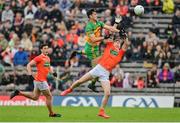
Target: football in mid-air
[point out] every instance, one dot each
(139, 10)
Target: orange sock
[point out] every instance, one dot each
(101, 110)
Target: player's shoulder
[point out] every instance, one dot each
(109, 43)
(89, 27)
(100, 23)
(89, 24)
(39, 56)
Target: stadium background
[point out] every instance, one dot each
(155, 44)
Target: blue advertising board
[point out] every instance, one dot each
(94, 101)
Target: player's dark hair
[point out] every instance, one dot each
(90, 12)
(43, 45)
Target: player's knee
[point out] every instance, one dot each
(107, 94)
(49, 97)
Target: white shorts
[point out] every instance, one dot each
(41, 85)
(101, 72)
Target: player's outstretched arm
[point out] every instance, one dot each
(114, 27)
(111, 28)
(125, 44)
(96, 39)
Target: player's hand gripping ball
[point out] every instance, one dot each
(139, 10)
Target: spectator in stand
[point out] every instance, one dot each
(7, 57)
(56, 15)
(139, 40)
(18, 20)
(57, 55)
(62, 30)
(45, 39)
(166, 75)
(15, 7)
(171, 36)
(168, 6)
(127, 82)
(136, 54)
(149, 53)
(166, 47)
(177, 74)
(117, 76)
(116, 80)
(159, 54)
(28, 24)
(139, 83)
(151, 37)
(18, 24)
(3, 43)
(26, 42)
(122, 8)
(7, 14)
(14, 40)
(155, 29)
(72, 35)
(152, 80)
(6, 29)
(42, 12)
(50, 3)
(81, 41)
(73, 62)
(64, 5)
(20, 57)
(156, 6)
(30, 10)
(176, 20)
(160, 59)
(170, 59)
(1, 6)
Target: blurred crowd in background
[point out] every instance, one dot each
(25, 24)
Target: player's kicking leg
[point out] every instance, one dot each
(106, 87)
(78, 82)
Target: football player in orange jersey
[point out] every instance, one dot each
(42, 63)
(112, 55)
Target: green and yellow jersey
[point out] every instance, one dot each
(91, 48)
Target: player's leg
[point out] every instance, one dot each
(106, 87)
(31, 95)
(48, 96)
(78, 82)
(92, 86)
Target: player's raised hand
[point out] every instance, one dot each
(118, 19)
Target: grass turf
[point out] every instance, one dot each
(88, 114)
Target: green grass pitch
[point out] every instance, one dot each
(88, 114)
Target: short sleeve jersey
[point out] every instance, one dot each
(111, 57)
(43, 67)
(93, 28)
